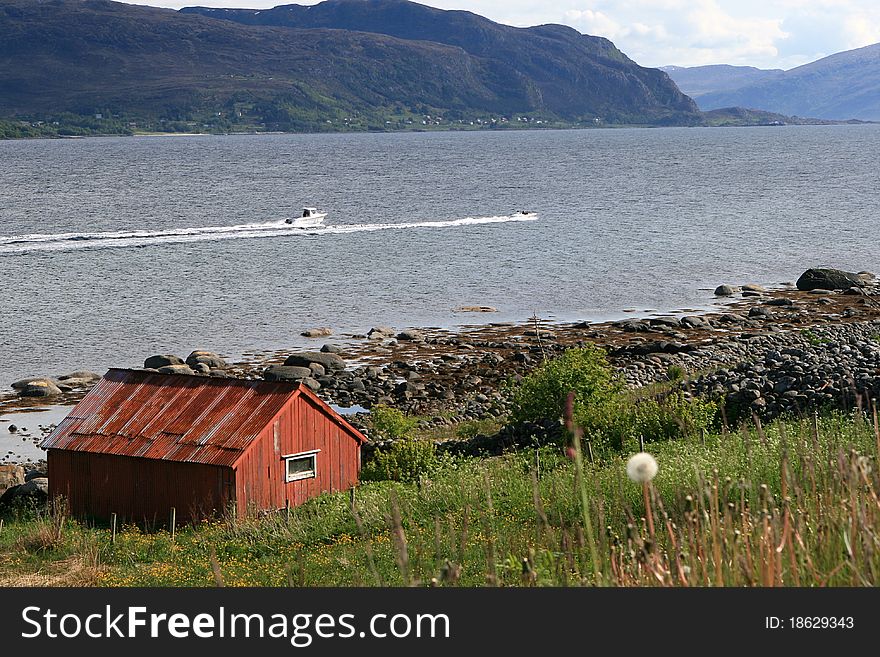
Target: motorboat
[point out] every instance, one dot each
(525, 214)
(309, 218)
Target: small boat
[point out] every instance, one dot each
(309, 219)
(525, 214)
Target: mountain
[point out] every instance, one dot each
(562, 70)
(842, 86)
(697, 81)
(97, 57)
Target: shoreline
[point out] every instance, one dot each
(450, 375)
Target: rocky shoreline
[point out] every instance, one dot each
(768, 352)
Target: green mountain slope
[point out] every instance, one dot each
(96, 56)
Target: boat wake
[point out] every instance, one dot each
(126, 239)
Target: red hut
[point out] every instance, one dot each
(141, 443)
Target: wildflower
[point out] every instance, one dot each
(641, 468)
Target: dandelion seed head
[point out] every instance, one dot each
(641, 468)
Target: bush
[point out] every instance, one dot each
(407, 460)
(672, 416)
(541, 395)
(389, 423)
(610, 417)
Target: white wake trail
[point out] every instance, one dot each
(125, 239)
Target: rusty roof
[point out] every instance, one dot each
(176, 417)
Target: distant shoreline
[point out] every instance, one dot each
(459, 128)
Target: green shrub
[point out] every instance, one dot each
(406, 461)
(672, 416)
(389, 423)
(541, 395)
(610, 417)
(472, 428)
(676, 373)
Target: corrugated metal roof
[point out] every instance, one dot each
(170, 416)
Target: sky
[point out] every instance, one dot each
(763, 33)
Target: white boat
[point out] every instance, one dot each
(309, 219)
(525, 214)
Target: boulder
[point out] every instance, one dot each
(286, 373)
(670, 322)
(40, 388)
(750, 287)
(828, 279)
(35, 491)
(331, 362)
(331, 349)
(410, 335)
(855, 291)
(476, 309)
(10, 475)
(317, 369)
(175, 369)
(209, 358)
(380, 332)
(695, 321)
(313, 385)
(779, 301)
(317, 332)
(80, 376)
(725, 290)
(201, 368)
(24, 383)
(155, 362)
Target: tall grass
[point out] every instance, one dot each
(793, 503)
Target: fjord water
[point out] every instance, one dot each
(112, 249)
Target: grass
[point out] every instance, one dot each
(794, 503)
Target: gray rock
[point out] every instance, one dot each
(24, 383)
(331, 349)
(331, 362)
(828, 279)
(380, 332)
(40, 388)
(80, 377)
(671, 322)
(286, 373)
(201, 368)
(725, 290)
(317, 332)
(175, 369)
(694, 321)
(155, 362)
(35, 491)
(411, 335)
(855, 291)
(312, 384)
(10, 475)
(209, 358)
(779, 301)
(821, 291)
(753, 288)
(317, 369)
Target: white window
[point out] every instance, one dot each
(301, 466)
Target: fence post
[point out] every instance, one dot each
(173, 522)
(112, 528)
